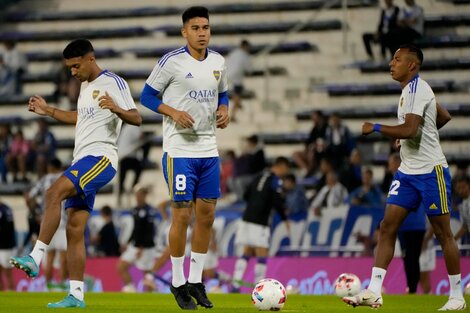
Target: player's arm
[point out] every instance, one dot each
(223, 118)
(149, 98)
(403, 131)
(38, 105)
(443, 116)
(131, 116)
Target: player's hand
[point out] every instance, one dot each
(223, 119)
(183, 119)
(139, 253)
(367, 128)
(38, 105)
(106, 102)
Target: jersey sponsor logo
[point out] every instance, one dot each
(189, 75)
(433, 206)
(86, 112)
(74, 173)
(95, 94)
(203, 96)
(216, 74)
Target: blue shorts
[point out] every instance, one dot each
(191, 178)
(431, 190)
(88, 175)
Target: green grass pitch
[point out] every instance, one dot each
(24, 302)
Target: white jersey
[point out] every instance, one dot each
(192, 86)
(39, 192)
(419, 155)
(97, 129)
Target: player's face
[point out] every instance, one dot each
(197, 33)
(80, 67)
(400, 65)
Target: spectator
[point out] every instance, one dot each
(410, 25)
(16, 62)
(367, 194)
(250, 163)
(296, 201)
(5, 142)
(393, 164)
(129, 146)
(309, 159)
(339, 141)
(67, 87)
(140, 250)
(226, 171)
(325, 168)
(333, 194)
(7, 80)
(253, 233)
(17, 156)
(7, 246)
(238, 64)
(43, 146)
(106, 240)
(351, 175)
(387, 25)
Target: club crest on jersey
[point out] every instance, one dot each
(216, 74)
(95, 94)
(401, 102)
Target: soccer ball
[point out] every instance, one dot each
(347, 285)
(269, 294)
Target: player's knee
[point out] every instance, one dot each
(182, 218)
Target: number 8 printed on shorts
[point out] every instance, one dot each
(180, 182)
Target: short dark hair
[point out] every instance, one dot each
(106, 210)
(414, 49)
(196, 11)
(281, 161)
(55, 163)
(464, 179)
(77, 48)
(291, 177)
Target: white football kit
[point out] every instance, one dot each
(193, 86)
(97, 129)
(419, 155)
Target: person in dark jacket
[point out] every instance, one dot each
(263, 194)
(106, 240)
(140, 250)
(7, 246)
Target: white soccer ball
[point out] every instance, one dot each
(269, 294)
(347, 285)
(467, 289)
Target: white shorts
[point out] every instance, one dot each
(427, 259)
(212, 260)
(59, 240)
(145, 262)
(253, 235)
(5, 255)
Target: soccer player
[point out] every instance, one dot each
(59, 242)
(263, 194)
(423, 177)
(193, 85)
(105, 101)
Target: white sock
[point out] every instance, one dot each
(455, 286)
(240, 267)
(196, 267)
(76, 289)
(376, 280)
(177, 271)
(260, 272)
(38, 252)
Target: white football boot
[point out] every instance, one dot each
(454, 304)
(365, 298)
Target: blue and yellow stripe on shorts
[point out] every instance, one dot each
(169, 170)
(91, 174)
(441, 183)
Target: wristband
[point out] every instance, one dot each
(377, 128)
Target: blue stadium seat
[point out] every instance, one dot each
(428, 65)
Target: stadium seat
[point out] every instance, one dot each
(429, 65)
